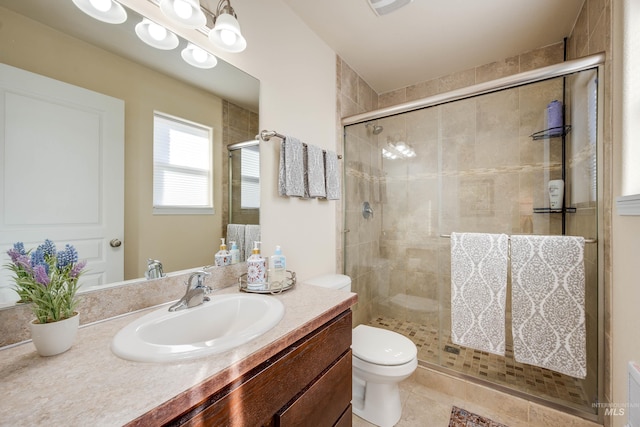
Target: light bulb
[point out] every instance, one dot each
(101, 5)
(228, 37)
(200, 55)
(182, 9)
(158, 32)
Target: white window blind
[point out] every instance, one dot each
(250, 177)
(182, 166)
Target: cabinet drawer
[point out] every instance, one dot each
(323, 403)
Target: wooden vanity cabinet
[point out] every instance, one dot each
(307, 384)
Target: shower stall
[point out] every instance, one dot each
(474, 160)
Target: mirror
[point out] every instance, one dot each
(179, 241)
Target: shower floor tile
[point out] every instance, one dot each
(503, 370)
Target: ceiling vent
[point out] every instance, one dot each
(383, 7)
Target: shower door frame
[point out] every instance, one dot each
(563, 69)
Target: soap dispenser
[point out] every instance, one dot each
(277, 269)
(235, 253)
(256, 270)
(223, 257)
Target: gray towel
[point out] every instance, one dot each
(235, 233)
(332, 175)
(315, 172)
(251, 234)
(291, 172)
(547, 275)
(478, 290)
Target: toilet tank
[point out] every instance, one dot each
(331, 281)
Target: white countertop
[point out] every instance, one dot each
(89, 385)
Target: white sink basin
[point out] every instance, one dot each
(221, 324)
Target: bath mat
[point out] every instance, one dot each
(461, 418)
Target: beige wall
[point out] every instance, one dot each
(624, 292)
(179, 241)
(297, 97)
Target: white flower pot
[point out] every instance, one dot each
(54, 338)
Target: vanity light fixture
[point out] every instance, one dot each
(186, 13)
(226, 33)
(109, 11)
(198, 57)
(156, 35)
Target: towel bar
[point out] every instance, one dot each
(586, 240)
(266, 135)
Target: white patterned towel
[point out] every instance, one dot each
(332, 175)
(235, 233)
(548, 302)
(478, 290)
(251, 235)
(291, 172)
(315, 172)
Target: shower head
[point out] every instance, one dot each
(376, 128)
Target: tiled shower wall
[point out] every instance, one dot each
(355, 96)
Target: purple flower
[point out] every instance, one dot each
(24, 262)
(77, 269)
(16, 251)
(41, 274)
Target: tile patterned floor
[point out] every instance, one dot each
(502, 370)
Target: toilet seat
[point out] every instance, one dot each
(382, 347)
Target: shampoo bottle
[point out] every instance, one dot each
(256, 270)
(223, 257)
(277, 269)
(235, 253)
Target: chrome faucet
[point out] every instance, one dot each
(154, 269)
(196, 292)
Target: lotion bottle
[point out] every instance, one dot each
(556, 194)
(277, 269)
(235, 253)
(223, 257)
(256, 270)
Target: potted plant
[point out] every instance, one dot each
(48, 280)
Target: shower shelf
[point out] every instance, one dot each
(547, 133)
(549, 210)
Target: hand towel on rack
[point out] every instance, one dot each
(478, 290)
(315, 172)
(251, 235)
(332, 175)
(235, 233)
(548, 302)
(291, 172)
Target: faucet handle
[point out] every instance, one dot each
(199, 277)
(154, 269)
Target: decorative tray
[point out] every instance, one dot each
(268, 288)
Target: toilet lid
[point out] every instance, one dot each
(382, 347)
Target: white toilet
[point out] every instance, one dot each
(381, 359)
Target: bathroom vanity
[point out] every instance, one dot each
(297, 372)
